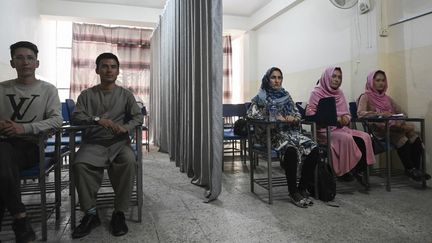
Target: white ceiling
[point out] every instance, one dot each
(243, 7)
(230, 7)
(141, 3)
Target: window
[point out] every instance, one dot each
(63, 58)
(55, 49)
(237, 71)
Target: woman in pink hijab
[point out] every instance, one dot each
(351, 149)
(375, 102)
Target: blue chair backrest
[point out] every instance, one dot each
(301, 109)
(247, 105)
(230, 110)
(70, 106)
(353, 109)
(65, 112)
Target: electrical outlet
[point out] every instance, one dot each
(383, 32)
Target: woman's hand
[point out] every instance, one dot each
(343, 120)
(288, 119)
(291, 119)
(280, 118)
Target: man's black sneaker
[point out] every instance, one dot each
(89, 222)
(118, 224)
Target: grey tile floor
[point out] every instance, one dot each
(174, 211)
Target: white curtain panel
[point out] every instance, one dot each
(186, 90)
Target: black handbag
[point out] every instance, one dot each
(240, 127)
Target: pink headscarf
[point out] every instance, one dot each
(323, 90)
(380, 100)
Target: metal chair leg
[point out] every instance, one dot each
(71, 179)
(57, 176)
(139, 179)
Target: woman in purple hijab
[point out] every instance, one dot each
(351, 149)
(375, 102)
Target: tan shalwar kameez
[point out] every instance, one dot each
(101, 148)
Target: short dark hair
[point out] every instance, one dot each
(106, 55)
(23, 44)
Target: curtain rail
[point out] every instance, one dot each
(409, 19)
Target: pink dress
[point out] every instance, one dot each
(345, 153)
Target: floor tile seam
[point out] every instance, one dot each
(243, 204)
(193, 219)
(378, 216)
(153, 221)
(197, 221)
(156, 210)
(257, 217)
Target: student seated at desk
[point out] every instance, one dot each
(27, 107)
(375, 102)
(286, 138)
(351, 149)
(107, 146)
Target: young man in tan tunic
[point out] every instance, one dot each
(106, 146)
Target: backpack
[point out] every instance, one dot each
(240, 127)
(326, 181)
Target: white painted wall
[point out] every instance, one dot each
(298, 41)
(402, 9)
(413, 34)
(250, 80)
(231, 22)
(409, 47)
(311, 36)
(263, 15)
(19, 20)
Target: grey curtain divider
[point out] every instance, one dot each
(186, 89)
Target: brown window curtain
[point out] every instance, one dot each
(227, 70)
